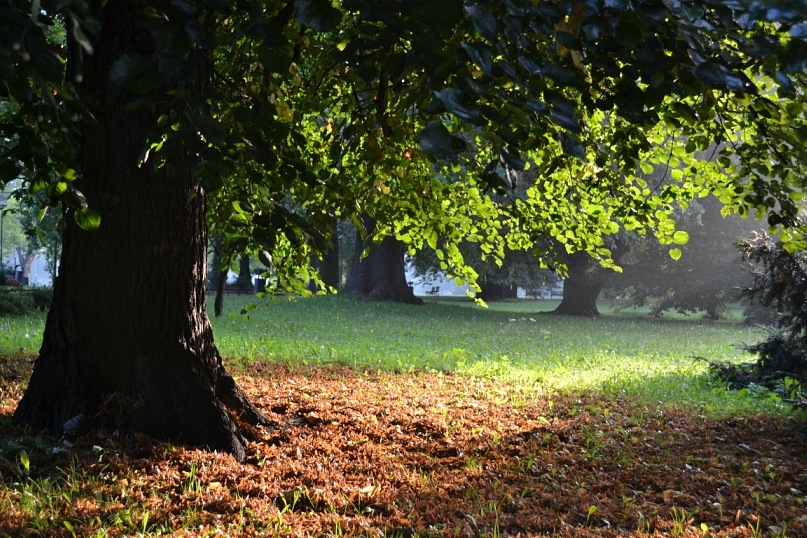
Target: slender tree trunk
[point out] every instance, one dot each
(244, 282)
(25, 259)
(330, 270)
(218, 304)
(582, 287)
(381, 275)
(128, 343)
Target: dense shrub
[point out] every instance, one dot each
(779, 282)
(756, 314)
(42, 297)
(15, 302)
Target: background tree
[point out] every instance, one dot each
(519, 269)
(378, 270)
(709, 273)
(779, 281)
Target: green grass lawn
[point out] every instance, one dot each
(621, 352)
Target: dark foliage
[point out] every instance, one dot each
(42, 297)
(780, 282)
(14, 302)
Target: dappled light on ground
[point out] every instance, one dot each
(366, 453)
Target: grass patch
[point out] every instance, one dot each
(620, 352)
(21, 332)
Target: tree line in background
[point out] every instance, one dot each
(514, 126)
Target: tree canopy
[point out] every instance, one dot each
(415, 112)
(272, 118)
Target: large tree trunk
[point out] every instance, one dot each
(582, 287)
(381, 275)
(494, 291)
(128, 343)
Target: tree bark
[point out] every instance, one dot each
(25, 259)
(381, 275)
(128, 344)
(582, 287)
(494, 291)
(244, 281)
(218, 303)
(329, 266)
(330, 269)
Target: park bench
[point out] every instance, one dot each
(434, 291)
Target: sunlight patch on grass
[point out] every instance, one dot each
(657, 360)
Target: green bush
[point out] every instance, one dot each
(15, 302)
(42, 297)
(779, 284)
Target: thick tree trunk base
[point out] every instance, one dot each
(579, 299)
(582, 287)
(381, 275)
(569, 309)
(497, 292)
(177, 401)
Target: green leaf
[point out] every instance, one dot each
(266, 258)
(562, 75)
(56, 190)
(571, 146)
(87, 219)
(442, 15)
(436, 140)
(213, 131)
(318, 15)
(79, 35)
(680, 237)
(675, 253)
(8, 171)
(135, 73)
(564, 113)
(25, 461)
(631, 30)
(75, 198)
(453, 101)
(484, 21)
(277, 57)
(717, 75)
(481, 56)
